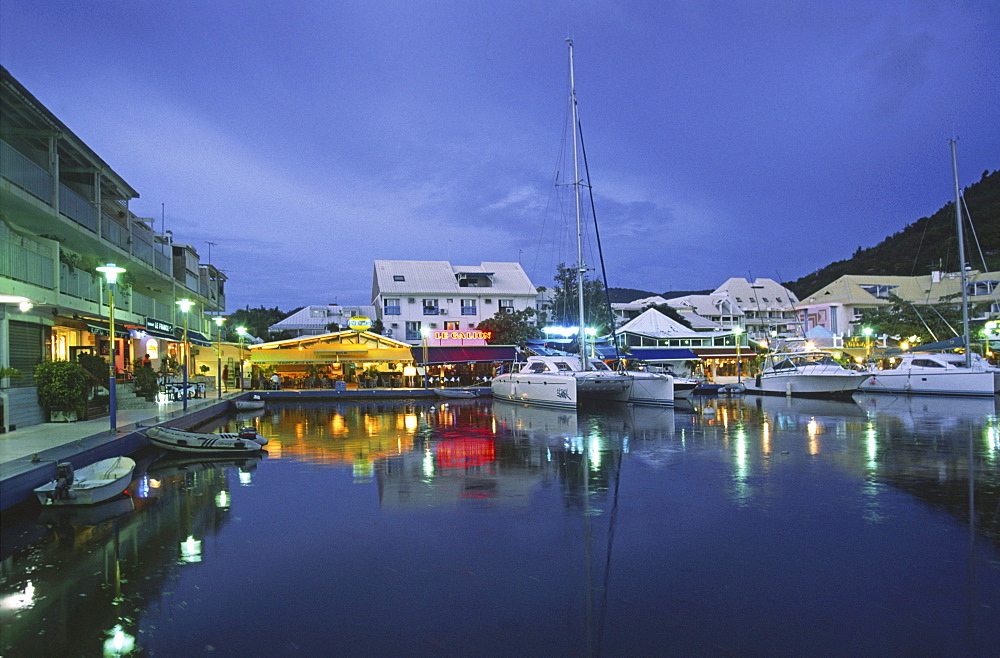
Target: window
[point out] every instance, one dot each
(390, 306)
(468, 307)
(451, 326)
(981, 287)
(877, 290)
(430, 307)
(398, 277)
(740, 300)
(506, 305)
(764, 298)
(413, 330)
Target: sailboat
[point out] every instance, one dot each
(566, 381)
(942, 373)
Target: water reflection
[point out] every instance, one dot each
(627, 531)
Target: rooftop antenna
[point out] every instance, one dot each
(210, 245)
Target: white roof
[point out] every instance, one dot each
(319, 316)
(441, 277)
(656, 325)
(761, 293)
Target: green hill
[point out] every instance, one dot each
(928, 244)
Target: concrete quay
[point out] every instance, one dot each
(28, 456)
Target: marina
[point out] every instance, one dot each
(746, 524)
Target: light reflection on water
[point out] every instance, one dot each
(757, 525)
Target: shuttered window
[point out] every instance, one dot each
(26, 349)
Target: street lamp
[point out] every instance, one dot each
(185, 305)
(738, 331)
(423, 339)
(867, 332)
(219, 320)
(242, 332)
(111, 272)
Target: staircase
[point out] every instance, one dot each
(125, 398)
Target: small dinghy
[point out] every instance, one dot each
(254, 402)
(92, 484)
(246, 441)
(455, 393)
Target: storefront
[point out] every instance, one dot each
(359, 359)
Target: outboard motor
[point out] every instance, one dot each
(64, 480)
(249, 433)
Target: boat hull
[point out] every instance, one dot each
(920, 382)
(456, 393)
(170, 438)
(92, 484)
(652, 389)
(820, 385)
(248, 405)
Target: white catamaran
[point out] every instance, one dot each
(565, 381)
(942, 373)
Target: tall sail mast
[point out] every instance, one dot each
(581, 269)
(961, 256)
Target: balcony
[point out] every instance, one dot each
(468, 310)
(390, 310)
(431, 310)
(413, 335)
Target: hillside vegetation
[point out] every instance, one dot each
(928, 244)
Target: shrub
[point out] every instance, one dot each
(146, 383)
(62, 386)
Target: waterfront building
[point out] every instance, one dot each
(63, 212)
(656, 338)
(837, 307)
(315, 320)
(413, 298)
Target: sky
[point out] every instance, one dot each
(723, 138)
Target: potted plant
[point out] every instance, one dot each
(6, 372)
(62, 389)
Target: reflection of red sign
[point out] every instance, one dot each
(452, 334)
(465, 452)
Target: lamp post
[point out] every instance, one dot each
(111, 272)
(219, 320)
(423, 339)
(867, 332)
(738, 331)
(185, 305)
(242, 332)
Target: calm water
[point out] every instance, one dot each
(756, 526)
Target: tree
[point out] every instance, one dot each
(928, 322)
(257, 321)
(511, 328)
(565, 304)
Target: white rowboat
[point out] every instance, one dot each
(89, 485)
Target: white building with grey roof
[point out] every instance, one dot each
(411, 296)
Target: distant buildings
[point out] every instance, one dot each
(316, 320)
(837, 307)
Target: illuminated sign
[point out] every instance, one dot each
(452, 334)
(157, 325)
(359, 323)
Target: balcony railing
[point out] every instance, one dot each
(114, 232)
(25, 260)
(468, 310)
(77, 208)
(430, 310)
(78, 283)
(413, 335)
(390, 310)
(24, 173)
